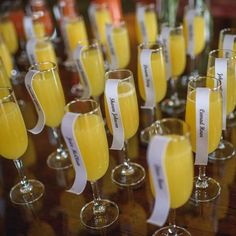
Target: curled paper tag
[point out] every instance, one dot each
(67, 128)
(190, 25)
(112, 50)
(41, 116)
(228, 44)
(156, 162)
(207, 19)
(30, 49)
(221, 73)
(202, 125)
(140, 14)
(146, 66)
(81, 69)
(28, 27)
(112, 99)
(165, 38)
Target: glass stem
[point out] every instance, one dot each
(128, 169)
(174, 96)
(98, 208)
(60, 147)
(25, 185)
(172, 225)
(192, 66)
(202, 178)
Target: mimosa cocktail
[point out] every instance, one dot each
(128, 173)
(158, 71)
(90, 136)
(102, 16)
(75, 32)
(121, 46)
(44, 51)
(176, 66)
(50, 95)
(178, 166)
(221, 65)
(205, 188)
(93, 62)
(13, 144)
(150, 23)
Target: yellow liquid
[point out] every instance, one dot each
(215, 119)
(94, 67)
(128, 109)
(6, 58)
(8, 31)
(179, 170)
(102, 17)
(50, 94)
(4, 79)
(199, 34)
(44, 52)
(230, 86)
(159, 77)
(13, 135)
(177, 55)
(121, 45)
(92, 142)
(39, 29)
(150, 21)
(76, 32)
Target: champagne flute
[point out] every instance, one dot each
(92, 69)
(225, 149)
(14, 142)
(194, 33)
(42, 50)
(177, 57)
(127, 174)
(178, 166)
(49, 91)
(73, 31)
(117, 45)
(92, 142)
(99, 16)
(146, 22)
(158, 69)
(205, 188)
(227, 40)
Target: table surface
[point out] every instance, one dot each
(57, 213)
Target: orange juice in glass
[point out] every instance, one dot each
(120, 39)
(128, 173)
(205, 188)
(8, 31)
(148, 24)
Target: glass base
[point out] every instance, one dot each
(173, 106)
(128, 177)
(106, 215)
(168, 231)
(59, 162)
(224, 151)
(209, 190)
(35, 192)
